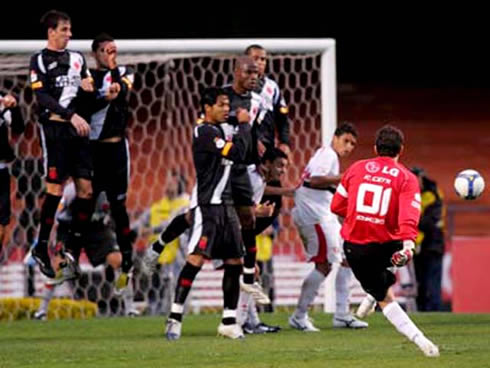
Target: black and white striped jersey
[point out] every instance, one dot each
(109, 118)
(11, 117)
(213, 158)
(251, 102)
(55, 77)
(276, 110)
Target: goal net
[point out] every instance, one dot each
(164, 104)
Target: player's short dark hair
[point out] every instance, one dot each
(254, 46)
(101, 38)
(389, 141)
(346, 128)
(51, 18)
(209, 96)
(272, 154)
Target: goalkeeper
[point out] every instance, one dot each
(380, 201)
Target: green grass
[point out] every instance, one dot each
(464, 341)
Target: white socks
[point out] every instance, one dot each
(342, 284)
(128, 296)
(398, 318)
(253, 315)
(242, 308)
(247, 310)
(48, 295)
(309, 289)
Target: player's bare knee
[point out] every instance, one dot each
(56, 261)
(54, 189)
(188, 217)
(233, 261)
(85, 193)
(323, 267)
(114, 260)
(84, 188)
(195, 259)
(247, 217)
(389, 298)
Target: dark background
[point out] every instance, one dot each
(403, 46)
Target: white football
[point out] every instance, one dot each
(469, 184)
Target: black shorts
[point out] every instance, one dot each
(215, 232)
(4, 196)
(99, 241)
(111, 168)
(64, 154)
(370, 262)
(241, 188)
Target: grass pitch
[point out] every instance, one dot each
(464, 341)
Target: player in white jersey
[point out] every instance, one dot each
(319, 229)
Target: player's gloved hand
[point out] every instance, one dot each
(402, 257)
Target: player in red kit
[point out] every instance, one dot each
(379, 199)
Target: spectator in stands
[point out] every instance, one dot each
(430, 242)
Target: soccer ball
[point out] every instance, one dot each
(469, 184)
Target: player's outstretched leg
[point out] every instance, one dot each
(402, 322)
(177, 226)
(299, 319)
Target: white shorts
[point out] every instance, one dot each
(322, 241)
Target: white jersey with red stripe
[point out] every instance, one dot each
(313, 205)
(322, 242)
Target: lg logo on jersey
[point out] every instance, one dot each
(393, 171)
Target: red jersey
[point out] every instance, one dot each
(380, 201)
